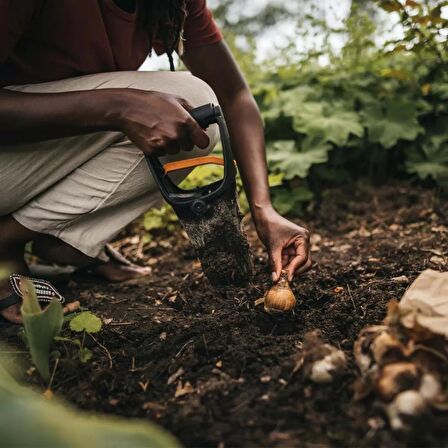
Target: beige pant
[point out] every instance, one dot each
(85, 189)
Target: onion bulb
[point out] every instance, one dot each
(280, 297)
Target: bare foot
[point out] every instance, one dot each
(116, 272)
(118, 269)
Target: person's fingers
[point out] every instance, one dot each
(184, 103)
(300, 258)
(285, 259)
(306, 267)
(187, 143)
(275, 258)
(198, 136)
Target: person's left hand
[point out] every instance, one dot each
(288, 244)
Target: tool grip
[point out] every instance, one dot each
(206, 115)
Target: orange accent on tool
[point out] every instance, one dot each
(191, 163)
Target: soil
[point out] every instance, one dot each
(218, 372)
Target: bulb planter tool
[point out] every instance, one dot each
(210, 214)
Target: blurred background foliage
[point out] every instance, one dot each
(364, 99)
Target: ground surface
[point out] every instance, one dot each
(218, 372)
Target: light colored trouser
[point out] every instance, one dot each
(85, 189)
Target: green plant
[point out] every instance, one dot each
(41, 327)
(87, 324)
(27, 419)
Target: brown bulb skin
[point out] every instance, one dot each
(280, 297)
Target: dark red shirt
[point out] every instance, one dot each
(48, 40)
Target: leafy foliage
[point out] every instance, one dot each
(371, 112)
(27, 419)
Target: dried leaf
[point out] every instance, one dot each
(182, 390)
(176, 375)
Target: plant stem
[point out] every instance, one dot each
(56, 363)
(103, 348)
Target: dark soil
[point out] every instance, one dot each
(218, 372)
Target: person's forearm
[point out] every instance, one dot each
(29, 117)
(247, 136)
(222, 73)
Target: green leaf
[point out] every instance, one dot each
(68, 340)
(41, 326)
(85, 355)
(335, 125)
(288, 201)
(86, 321)
(294, 162)
(431, 160)
(29, 420)
(276, 179)
(388, 123)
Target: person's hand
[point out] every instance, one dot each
(288, 244)
(156, 122)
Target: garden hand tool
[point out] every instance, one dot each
(210, 214)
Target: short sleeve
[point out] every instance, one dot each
(199, 28)
(15, 16)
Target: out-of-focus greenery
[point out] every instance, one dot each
(369, 111)
(373, 113)
(27, 419)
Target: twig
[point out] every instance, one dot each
(105, 350)
(118, 324)
(205, 345)
(351, 297)
(181, 350)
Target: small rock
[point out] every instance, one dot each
(400, 279)
(363, 232)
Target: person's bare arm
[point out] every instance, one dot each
(155, 122)
(287, 243)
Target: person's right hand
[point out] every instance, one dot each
(158, 123)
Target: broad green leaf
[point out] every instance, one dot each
(41, 326)
(431, 160)
(27, 419)
(388, 123)
(86, 321)
(296, 162)
(334, 122)
(287, 201)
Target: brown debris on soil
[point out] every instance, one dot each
(230, 364)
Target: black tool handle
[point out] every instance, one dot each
(206, 115)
